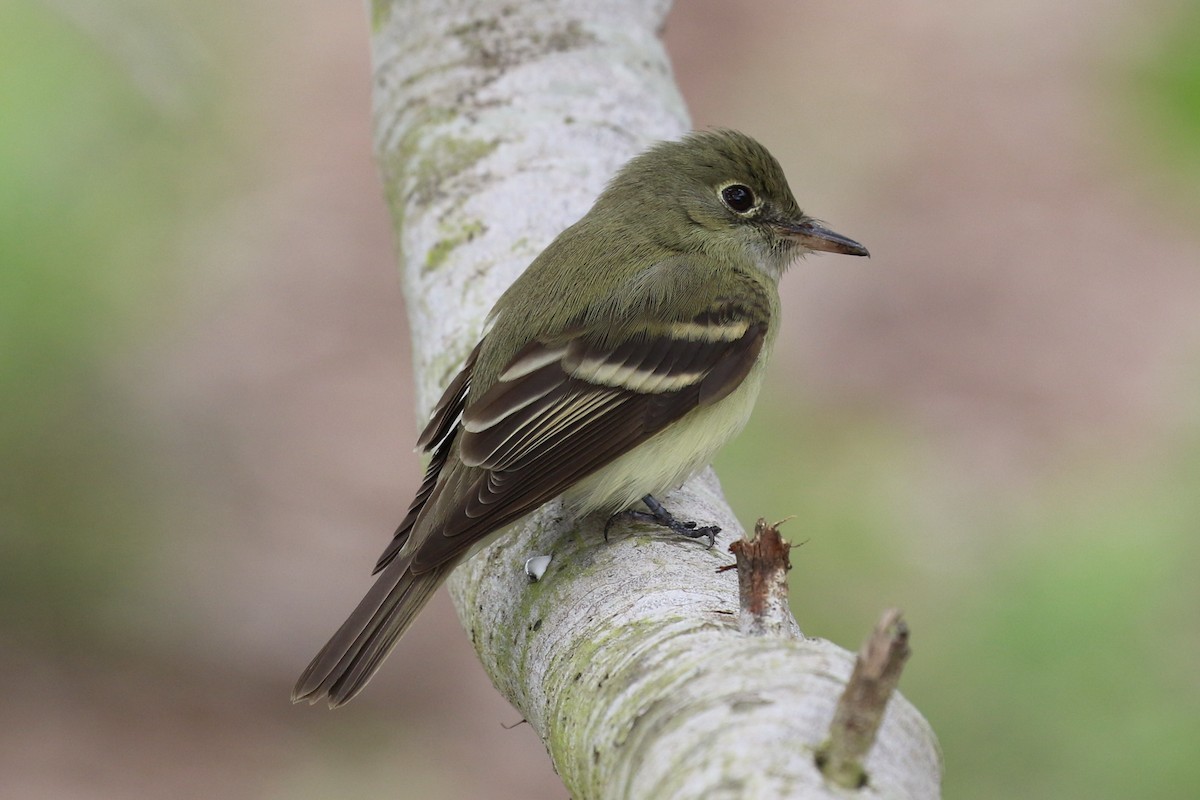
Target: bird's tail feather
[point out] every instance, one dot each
(352, 656)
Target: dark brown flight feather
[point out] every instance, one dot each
(439, 437)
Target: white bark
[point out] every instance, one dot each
(497, 124)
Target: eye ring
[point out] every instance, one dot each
(739, 198)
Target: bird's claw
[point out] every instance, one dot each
(707, 532)
(657, 515)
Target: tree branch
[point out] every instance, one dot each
(497, 124)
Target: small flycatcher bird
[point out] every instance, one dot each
(616, 366)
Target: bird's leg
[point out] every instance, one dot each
(689, 529)
(660, 516)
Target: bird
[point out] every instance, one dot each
(617, 364)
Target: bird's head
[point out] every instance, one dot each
(722, 193)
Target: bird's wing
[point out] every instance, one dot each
(560, 409)
(438, 437)
(564, 407)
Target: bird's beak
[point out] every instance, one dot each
(815, 237)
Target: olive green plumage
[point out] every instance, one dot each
(624, 357)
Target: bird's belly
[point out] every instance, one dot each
(670, 457)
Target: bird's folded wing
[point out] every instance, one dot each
(562, 409)
(438, 436)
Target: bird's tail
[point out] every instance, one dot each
(352, 656)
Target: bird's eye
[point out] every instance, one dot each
(738, 197)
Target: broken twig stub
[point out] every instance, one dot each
(862, 705)
(762, 567)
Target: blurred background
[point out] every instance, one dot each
(993, 424)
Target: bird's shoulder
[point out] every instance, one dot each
(669, 291)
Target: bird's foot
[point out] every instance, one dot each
(658, 515)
